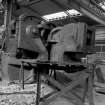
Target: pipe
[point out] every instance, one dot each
(29, 3)
(89, 14)
(94, 2)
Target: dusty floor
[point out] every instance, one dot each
(15, 95)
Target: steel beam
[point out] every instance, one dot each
(30, 2)
(92, 16)
(84, 8)
(94, 2)
(36, 12)
(62, 7)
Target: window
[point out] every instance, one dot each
(61, 15)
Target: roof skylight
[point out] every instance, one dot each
(102, 5)
(60, 15)
(55, 15)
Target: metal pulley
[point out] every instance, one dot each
(32, 29)
(29, 36)
(28, 25)
(26, 28)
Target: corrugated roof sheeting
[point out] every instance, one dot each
(44, 7)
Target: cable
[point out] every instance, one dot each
(3, 43)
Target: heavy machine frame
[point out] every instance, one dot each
(89, 8)
(97, 16)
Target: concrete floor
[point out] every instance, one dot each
(99, 99)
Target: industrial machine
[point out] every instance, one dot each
(67, 39)
(73, 41)
(29, 38)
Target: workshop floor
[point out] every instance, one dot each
(15, 95)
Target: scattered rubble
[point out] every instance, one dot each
(15, 95)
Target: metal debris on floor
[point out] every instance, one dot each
(15, 95)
